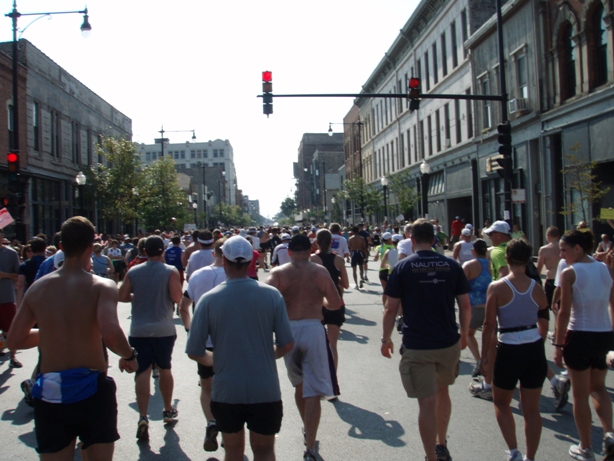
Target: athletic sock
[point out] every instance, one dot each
(486, 386)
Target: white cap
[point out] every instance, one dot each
(498, 226)
(466, 232)
(386, 236)
(58, 259)
(296, 229)
(285, 237)
(469, 226)
(396, 238)
(237, 248)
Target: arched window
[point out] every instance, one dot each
(599, 47)
(567, 62)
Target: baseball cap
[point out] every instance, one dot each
(236, 248)
(154, 245)
(299, 242)
(396, 238)
(498, 226)
(469, 226)
(386, 236)
(285, 237)
(58, 259)
(296, 229)
(466, 232)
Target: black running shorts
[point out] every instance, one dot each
(93, 420)
(153, 350)
(587, 349)
(336, 317)
(261, 418)
(520, 362)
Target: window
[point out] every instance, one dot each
(55, 134)
(438, 130)
(75, 143)
(402, 151)
(567, 63)
(419, 70)
(147, 156)
(215, 153)
(182, 154)
(199, 154)
(205, 153)
(427, 78)
(385, 111)
(599, 67)
(521, 75)
(421, 134)
(90, 153)
(486, 120)
(415, 144)
(444, 55)
(176, 156)
(36, 128)
(446, 121)
(469, 111)
(192, 154)
(429, 127)
(454, 44)
(435, 70)
(457, 121)
(464, 32)
(221, 153)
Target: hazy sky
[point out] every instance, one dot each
(196, 64)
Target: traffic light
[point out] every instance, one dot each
(414, 94)
(267, 92)
(505, 150)
(12, 163)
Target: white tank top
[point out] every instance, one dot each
(590, 298)
(465, 253)
(393, 257)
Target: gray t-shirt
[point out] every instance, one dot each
(152, 307)
(245, 318)
(9, 262)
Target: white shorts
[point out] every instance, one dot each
(311, 362)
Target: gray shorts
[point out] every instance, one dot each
(478, 314)
(310, 360)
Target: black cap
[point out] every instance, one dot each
(154, 245)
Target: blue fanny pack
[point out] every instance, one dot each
(68, 386)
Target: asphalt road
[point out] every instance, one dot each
(372, 419)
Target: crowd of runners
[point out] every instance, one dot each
(210, 278)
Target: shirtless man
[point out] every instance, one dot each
(358, 251)
(72, 351)
(185, 256)
(304, 286)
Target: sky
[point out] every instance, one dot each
(197, 65)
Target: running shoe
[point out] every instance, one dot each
(142, 430)
(14, 363)
(399, 323)
(608, 446)
(356, 287)
(517, 456)
(362, 282)
(155, 372)
(476, 388)
(476, 370)
(442, 453)
(309, 455)
(561, 391)
(366, 279)
(211, 437)
(582, 454)
(26, 387)
(170, 415)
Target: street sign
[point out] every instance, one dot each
(519, 196)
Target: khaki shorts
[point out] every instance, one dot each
(423, 371)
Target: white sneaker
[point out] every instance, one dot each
(517, 456)
(608, 445)
(582, 454)
(476, 388)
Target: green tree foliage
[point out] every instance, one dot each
(162, 203)
(406, 196)
(288, 207)
(373, 199)
(111, 185)
(582, 184)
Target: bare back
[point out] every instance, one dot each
(357, 243)
(549, 256)
(68, 306)
(304, 285)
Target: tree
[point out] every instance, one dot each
(584, 189)
(160, 197)
(373, 200)
(288, 207)
(109, 184)
(406, 196)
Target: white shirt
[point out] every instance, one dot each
(203, 280)
(340, 245)
(280, 254)
(405, 247)
(198, 260)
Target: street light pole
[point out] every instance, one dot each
(425, 169)
(81, 179)
(161, 140)
(384, 182)
(324, 187)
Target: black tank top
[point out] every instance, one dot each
(328, 261)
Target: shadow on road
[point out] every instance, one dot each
(368, 425)
(170, 450)
(353, 319)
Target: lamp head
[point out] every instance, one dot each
(86, 27)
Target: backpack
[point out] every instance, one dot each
(531, 271)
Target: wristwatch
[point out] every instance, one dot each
(386, 341)
(133, 356)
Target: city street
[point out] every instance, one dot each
(372, 419)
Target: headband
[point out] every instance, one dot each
(205, 242)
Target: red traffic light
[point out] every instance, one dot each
(12, 157)
(414, 83)
(267, 76)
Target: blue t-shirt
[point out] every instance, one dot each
(46, 267)
(172, 256)
(427, 284)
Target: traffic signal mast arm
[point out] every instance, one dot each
(471, 97)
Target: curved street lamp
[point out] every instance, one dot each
(425, 170)
(80, 179)
(384, 182)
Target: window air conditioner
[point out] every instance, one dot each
(517, 105)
